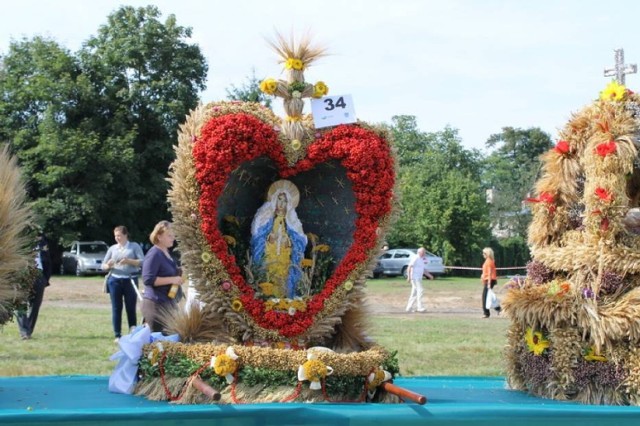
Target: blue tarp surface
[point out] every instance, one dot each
(451, 401)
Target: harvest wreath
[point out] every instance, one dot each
(278, 225)
(575, 327)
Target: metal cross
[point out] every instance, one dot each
(620, 68)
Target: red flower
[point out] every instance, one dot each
(545, 197)
(603, 194)
(562, 147)
(606, 148)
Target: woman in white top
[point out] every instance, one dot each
(123, 261)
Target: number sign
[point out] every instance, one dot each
(332, 110)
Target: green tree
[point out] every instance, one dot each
(95, 131)
(146, 78)
(44, 117)
(249, 91)
(510, 173)
(443, 203)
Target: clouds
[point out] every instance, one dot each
(477, 66)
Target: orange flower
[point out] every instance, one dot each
(603, 194)
(606, 148)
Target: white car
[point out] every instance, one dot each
(396, 262)
(84, 257)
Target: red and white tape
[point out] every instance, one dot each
(467, 268)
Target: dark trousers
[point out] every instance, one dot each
(27, 319)
(485, 289)
(119, 289)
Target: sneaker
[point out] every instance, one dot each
(132, 329)
(422, 310)
(485, 316)
(116, 340)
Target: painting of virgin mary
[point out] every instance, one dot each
(277, 239)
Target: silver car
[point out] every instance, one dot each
(396, 262)
(84, 257)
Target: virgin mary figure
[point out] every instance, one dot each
(277, 238)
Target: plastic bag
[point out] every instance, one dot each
(492, 301)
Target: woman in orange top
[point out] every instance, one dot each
(489, 278)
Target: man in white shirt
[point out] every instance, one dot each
(414, 276)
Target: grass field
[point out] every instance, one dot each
(73, 334)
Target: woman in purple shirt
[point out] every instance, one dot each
(160, 273)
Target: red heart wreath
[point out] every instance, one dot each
(227, 141)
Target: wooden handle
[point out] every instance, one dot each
(404, 393)
(199, 384)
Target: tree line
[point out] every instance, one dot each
(94, 131)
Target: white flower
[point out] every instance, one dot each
(291, 310)
(296, 94)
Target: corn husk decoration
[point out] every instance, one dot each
(576, 316)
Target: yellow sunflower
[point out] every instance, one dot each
(613, 92)
(206, 257)
(536, 341)
(293, 63)
(320, 89)
(269, 86)
(236, 305)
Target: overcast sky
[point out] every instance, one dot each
(476, 66)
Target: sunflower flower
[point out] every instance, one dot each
(293, 63)
(236, 305)
(320, 89)
(536, 341)
(206, 257)
(268, 86)
(613, 92)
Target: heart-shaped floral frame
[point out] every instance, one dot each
(217, 139)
